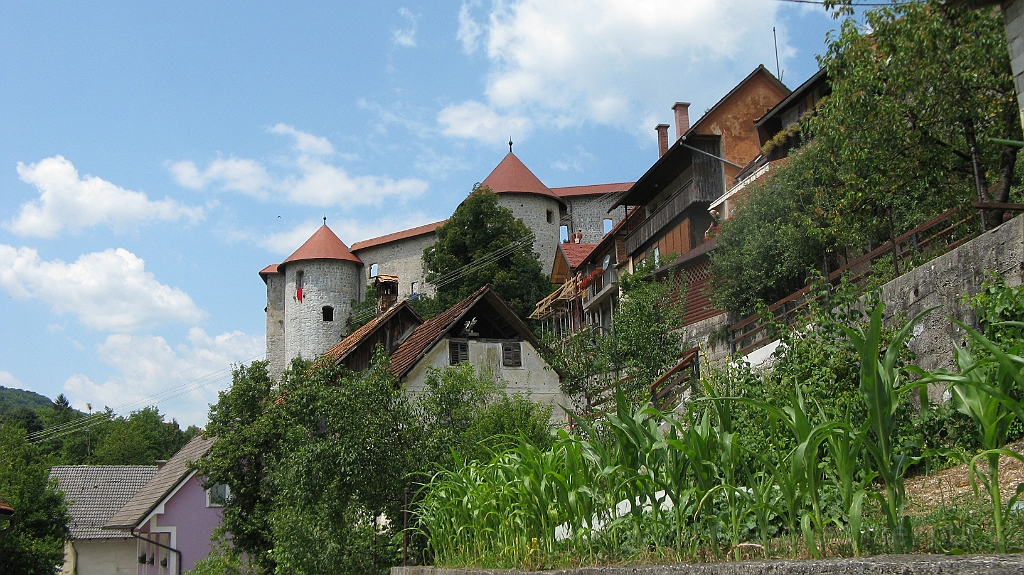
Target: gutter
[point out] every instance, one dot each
(161, 545)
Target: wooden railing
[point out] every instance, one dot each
(667, 389)
(935, 237)
(672, 207)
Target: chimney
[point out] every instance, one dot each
(682, 110)
(662, 130)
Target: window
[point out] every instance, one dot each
(217, 495)
(373, 270)
(657, 256)
(563, 233)
(458, 352)
(299, 283)
(412, 288)
(608, 225)
(551, 217)
(512, 354)
(328, 313)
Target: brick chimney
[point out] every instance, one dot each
(682, 110)
(662, 130)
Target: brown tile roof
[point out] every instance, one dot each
(96, 492)
(345, 346)
(576, 254)
(592, 189)
(512, 176)
(157, 489)
(322, 245)
(402, 235)
(271, 269)
(407, 354)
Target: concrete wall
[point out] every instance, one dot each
(881, 565)
(402, 258)
(588, 213)
(325, 282)
(534, 377)
(100, 557)
(275, 325)
(532, 209)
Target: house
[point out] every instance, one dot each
(171, 517)
(675, 193)
(95, 493)
(480, 329)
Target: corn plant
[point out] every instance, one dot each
(883, 391)
(985, 389)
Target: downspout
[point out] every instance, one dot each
(161, 545)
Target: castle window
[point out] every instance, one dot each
(412, 288)
(458, 351)
(551, 217)
(299, 283)
(374, 268)
(607, 225)
(328, 313)
(512, 354)
(563, 233)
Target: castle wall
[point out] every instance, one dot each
(533, 210)
(325, 283)
(588, 213)
(275, 325)
(402, 258)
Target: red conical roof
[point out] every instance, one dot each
(323, 245)
(512, 176)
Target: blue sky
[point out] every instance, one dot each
(153, 158)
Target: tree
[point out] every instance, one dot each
(917, 97)
(142, 438)
(35, 543)
(483, 243)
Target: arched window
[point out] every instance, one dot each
(608, 225)
(328, 313)
(563, 233)
(373, 270)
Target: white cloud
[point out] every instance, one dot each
(237, 175)
(8, 380)
(109, 290)
(305, 142)
(68, 201)
(611, 61)
(406, 37)
(313, 180)
(149, 368)
(472, 119)
(287, 242)
(348, 230)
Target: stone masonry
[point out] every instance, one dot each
(402, 258)
(325, 283)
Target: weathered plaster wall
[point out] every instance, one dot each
(943, 281)
(100, 557)
(532, 209)
(708, 334)
(325, 283)
(534, 377)
(588, 213)
(275, 325)
(402, 258)
(881, 565)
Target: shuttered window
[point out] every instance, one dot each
(458, 351)
(512, 354)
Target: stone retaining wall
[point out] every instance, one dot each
(881, 565)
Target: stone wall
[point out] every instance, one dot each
(588, 213)
(325, 283)
(275, 325)
(402, 258)
(533, 209)
(881, 565)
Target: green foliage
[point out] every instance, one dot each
(11, 397)
(139, 439)
(35, 544)
(995, 305)
(478, 228)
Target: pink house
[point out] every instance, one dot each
(172, 517)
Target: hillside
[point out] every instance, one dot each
(11, 398)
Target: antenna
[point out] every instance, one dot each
(776, 38)
(325, 219)
(510, 143)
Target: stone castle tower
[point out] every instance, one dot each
(309, 296)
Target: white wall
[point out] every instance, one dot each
(100, 557)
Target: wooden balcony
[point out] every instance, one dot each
(666, 212)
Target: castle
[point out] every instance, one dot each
(310, 293)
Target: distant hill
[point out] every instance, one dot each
(11, 398)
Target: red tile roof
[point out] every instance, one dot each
(421, 340)
(271, 269)
(576, 254)
(512, 176)
(402, 235)
(322, 245)
(342, 348)
(592, 189)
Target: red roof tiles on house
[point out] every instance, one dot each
(512, 176)
(322, 245)
(271, 269)
(394, 237)
(592, 189)
(342, 348)
(576, 254)
(407, 354)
